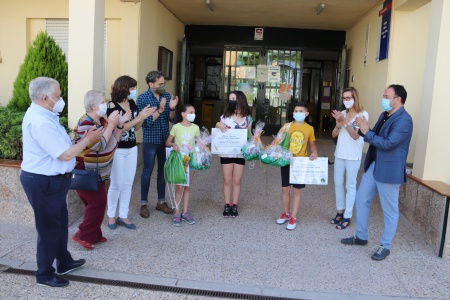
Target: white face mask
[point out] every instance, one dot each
(102, 109)
(349, 104)
(190, 117)
(59, 105)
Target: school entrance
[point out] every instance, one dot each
(271, 76)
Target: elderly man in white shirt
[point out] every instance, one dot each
(48, 159)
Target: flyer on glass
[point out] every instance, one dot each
(306, 171)
(186, 168)
(229, 142)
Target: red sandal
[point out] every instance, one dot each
(83, 244)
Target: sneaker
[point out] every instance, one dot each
(226, 211)
(292, 224)
(354, 240)
(284, 217)
(144, 211)
(381, 253)
(187, 217)
(162, 206)
(234, 212)
(177, 220)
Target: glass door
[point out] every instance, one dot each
(272, 99)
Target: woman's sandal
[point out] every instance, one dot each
(338, 218)
(344, 224)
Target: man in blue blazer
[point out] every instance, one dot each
(385, 168)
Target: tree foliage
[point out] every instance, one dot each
(44, 58)
(11, 137)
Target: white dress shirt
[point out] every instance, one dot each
(44, 140)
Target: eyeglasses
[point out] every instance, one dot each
(347, 98)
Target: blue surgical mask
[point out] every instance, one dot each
(132, 95)
(299, 117)
(385, 104)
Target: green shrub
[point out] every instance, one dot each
(11, 137)
(44, 58)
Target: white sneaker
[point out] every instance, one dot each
(292, 224)
(284, 217)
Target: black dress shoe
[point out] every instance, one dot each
(354, 240)
(381, 253)
(75, 265)
(55, 282)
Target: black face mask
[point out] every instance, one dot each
(232, 105)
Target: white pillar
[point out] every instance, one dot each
(86, 29)
(431, 160)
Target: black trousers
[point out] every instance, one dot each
(47, 195)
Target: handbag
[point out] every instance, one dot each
(84, 179)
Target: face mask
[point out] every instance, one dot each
(190, 117)
(385, 104)
(132, 95)
(349, 104)
(161, 90)
(232, 105)
(299, 117)
(102, 109)
(59, 105)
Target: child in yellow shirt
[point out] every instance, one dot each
(300, 134)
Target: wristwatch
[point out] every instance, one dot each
(172, 109)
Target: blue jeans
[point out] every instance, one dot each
(149, 151)
(388, 193)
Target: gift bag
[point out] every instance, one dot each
(200, 154)
(174, 169)
(275, 155)
(252, 149)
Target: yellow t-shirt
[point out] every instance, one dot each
(299, 137)
(185, 136)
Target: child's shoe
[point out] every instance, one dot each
(234, 211)
(187, 217)
(284, 217)
(226, 211)
(177, 220)
(292, 224)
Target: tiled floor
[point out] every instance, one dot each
(249, 252)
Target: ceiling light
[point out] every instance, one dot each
(210, 5)
(320, 8)
(135, 1)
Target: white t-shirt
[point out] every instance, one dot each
(347, 147)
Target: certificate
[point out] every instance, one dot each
(229, 142)
(306, 171)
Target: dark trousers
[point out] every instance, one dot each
(94, 212)
(47, 195)
(149, 152)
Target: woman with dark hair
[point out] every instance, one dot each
(347, 155)
(236, 116)
(123, 169)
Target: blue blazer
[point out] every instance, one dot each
(391, 147)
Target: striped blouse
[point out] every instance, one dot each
(87, 159)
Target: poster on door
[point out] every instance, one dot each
(262, 73)
(274, 74)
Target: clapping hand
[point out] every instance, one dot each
(124, 117)
(173, 102)
(162, 104)
(113, 118)
(146, 112)
(94, 134)
(339, 116)
(362, 123)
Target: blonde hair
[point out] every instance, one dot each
(355, 95)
